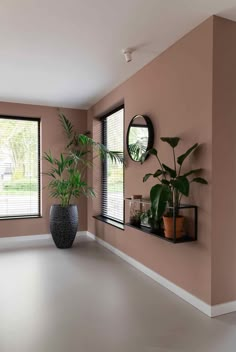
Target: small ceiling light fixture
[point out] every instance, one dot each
(128, 54)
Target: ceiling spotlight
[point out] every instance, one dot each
(127, 54)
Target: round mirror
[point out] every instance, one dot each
(140, 136)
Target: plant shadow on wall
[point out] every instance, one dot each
(166, 195)
(68, 180)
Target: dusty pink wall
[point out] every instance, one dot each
(175, 90)
(224, 163)
(51, 138)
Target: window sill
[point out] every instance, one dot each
(110, 222)
(22, 217)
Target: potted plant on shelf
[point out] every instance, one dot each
(68, 180)
(173, 184)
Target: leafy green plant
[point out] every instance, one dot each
(68, 172)
(173, 184)
(137, 149)
(159, 195)
(135, 219)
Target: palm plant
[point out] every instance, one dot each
(68, 172)
(172, 183)
(137, 149)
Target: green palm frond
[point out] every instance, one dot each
(114, 156)
(48, 156)
(137, 149)
(68, 170)
(67, 125)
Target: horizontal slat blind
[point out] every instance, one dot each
(19, 167)
(113, 173)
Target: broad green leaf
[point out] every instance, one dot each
(172, 141)
(146, 177)
(152, 151)
(158, 173)
(155, 175)
(159, 196)
(170, 171)
(192, 172)
(165, 182)
(200, 180)
(181, 183)
(182, 157)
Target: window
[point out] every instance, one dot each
(113, 174)
(19, 167)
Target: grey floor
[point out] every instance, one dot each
(88, 300)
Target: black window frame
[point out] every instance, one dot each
(103, 217)
(38, 120)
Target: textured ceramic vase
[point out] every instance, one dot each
(64, 224)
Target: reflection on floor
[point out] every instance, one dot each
(88, 300)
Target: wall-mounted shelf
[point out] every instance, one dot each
(179, 225)
(149, 232)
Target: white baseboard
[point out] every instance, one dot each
(211, 311)
(14, 242)
(224, 308)
(92, 236)
(6, 242)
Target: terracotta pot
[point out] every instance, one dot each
(169, 226)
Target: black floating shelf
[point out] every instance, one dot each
(148, 231)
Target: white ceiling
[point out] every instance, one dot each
(68, 52)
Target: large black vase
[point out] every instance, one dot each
(63, 224)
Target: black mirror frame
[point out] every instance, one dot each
(150, 135)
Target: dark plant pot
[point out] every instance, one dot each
(135, 222)
(63, 224)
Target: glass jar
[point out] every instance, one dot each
(138, 211)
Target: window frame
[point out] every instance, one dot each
(38, 120)
(102, 217)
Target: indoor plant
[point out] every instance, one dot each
(173, 184)
(68, 180)
(135, 219)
